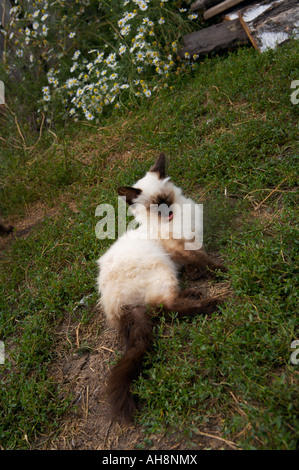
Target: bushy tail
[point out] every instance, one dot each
(136, 328)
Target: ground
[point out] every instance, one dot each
(82, 372)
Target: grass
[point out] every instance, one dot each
(229, 124)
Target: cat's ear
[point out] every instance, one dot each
(159, 166)
(131, 194)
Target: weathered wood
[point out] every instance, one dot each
(5, 7)
(268, 24)
(216, 38)
(220, 8)
(204, 4)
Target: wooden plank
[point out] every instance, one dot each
(216, 38)
(203, 5)
(248, 32)
(220, 8)
(5, 7)
(269, 23)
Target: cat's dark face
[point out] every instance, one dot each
(154, 191)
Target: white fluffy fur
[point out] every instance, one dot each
(136, 270)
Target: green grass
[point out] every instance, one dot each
(228, 124)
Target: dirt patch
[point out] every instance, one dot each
(35, 215)
(84, 357)
(22, 227)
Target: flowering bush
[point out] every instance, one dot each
(96, 53)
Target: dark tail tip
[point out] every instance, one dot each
(118, 389)
(136, 327)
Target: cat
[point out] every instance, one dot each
(140, 273)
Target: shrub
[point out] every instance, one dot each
(96, 54)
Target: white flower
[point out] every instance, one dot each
(27, 31)
(35, 25)
(147, 92)
(130, 15)
(141, 29)
(142, 5)
(71, 82)
(44, 17)
(111, 61)
(31, 58)
(161, 20)
(71, 35)
(99, 58)
(124, 31)
(111, 58)
(45, 30)
(14, 10)
(76, 55)
(89, 116)
(193, 16)
(19, 53)
(122, 49)
(74, 66)
(140, 56)
(35, 14)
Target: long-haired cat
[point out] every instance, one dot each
(139, 274)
